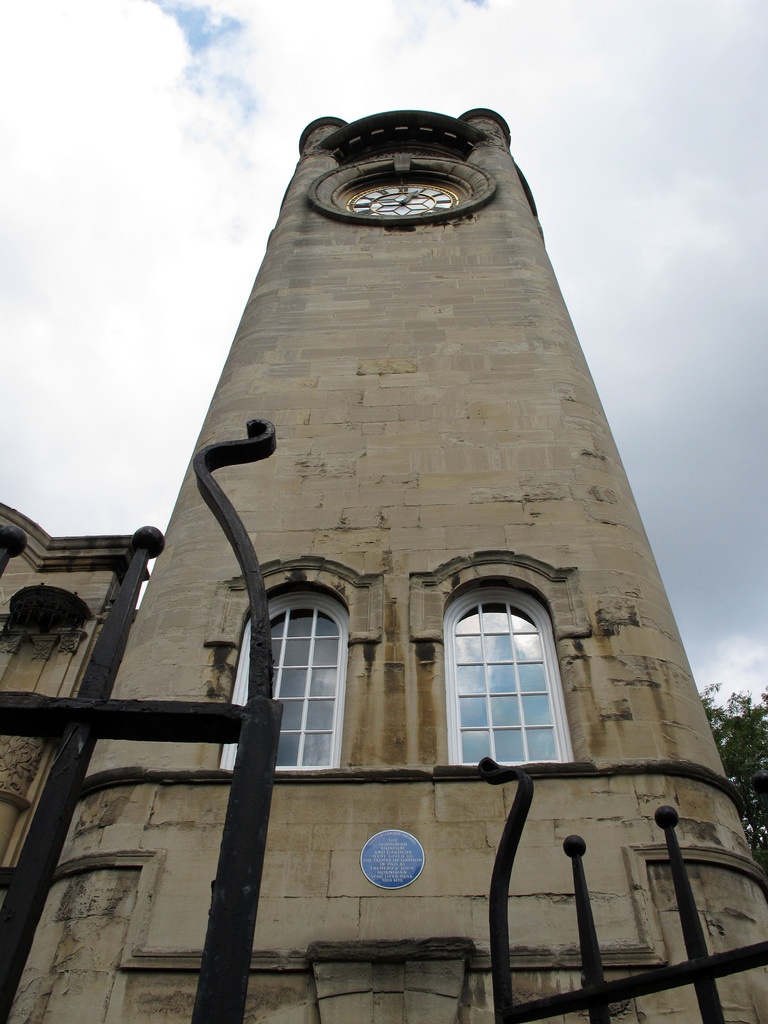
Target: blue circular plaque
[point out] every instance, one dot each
(392, 859)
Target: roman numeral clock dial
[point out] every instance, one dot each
(402, 200)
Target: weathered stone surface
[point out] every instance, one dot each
(389, 993)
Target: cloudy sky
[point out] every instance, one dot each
(146, 145)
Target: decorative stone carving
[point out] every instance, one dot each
(363, 595)
(43, 644)
(19, 761)
(11, 642)
(70, 641)
(42, 647)
(559, 587)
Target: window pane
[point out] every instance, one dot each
(320, 714)
(326, 652)
(509, 745)
(541, 745)
(300, 622)
(326, 626)
(470, 623)
(528, 647)
(499, 648)
(323, 682)
(292, 710)
(317, 750)
(288, 749)
(532, 677)
(296, 652)
(310, 695)
(501, 678)
(470, 679)
(505, 711)
(522, 624)
(495, 618)
(472, 711)
(475, 746)
(536, 710)
(292, 682)
(469, 650)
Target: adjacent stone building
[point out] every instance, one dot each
(456, 567)
(51, 602)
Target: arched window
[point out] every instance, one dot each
(504, 696)
(309, 654)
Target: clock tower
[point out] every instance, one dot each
(456, 568)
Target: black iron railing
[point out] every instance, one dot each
(596, 995)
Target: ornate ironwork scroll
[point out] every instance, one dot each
(223, 982)
(259, 444)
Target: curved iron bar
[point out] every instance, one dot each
(498, 904)
(223, 981)
(259, 444)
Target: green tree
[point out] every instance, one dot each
(740, 728)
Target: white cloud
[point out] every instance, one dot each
(123, 217)
(141, 177)
(738, 664)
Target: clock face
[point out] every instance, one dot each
(428, 190)
(402, 200)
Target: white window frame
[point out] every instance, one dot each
(335, 611)
(531, 608)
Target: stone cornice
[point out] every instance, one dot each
(111, 552)
(439, 773)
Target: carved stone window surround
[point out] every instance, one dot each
(362, 594)
(557, 588)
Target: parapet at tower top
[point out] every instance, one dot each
(403, 167)
(406, 129)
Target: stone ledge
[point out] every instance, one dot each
(440, 773)
(391, 950)
(523, 958)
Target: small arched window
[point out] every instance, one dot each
(504, 694)
(309, 655)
